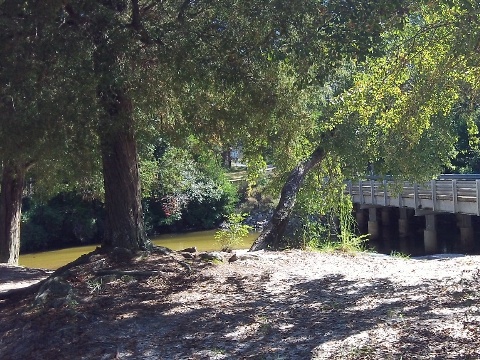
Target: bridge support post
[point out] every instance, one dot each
(466, 232)
(373, 228)
(386, 212)
(430, 235)
(361, 218)
(404, 222)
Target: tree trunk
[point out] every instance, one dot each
(227, 158)
(124, 225)
(13, 177)
(275, 229)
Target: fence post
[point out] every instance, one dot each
(360, 188)
(477, 183)
(455, 196)
(415, 196)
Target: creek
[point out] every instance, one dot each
(203, 240)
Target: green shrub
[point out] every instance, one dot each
(65, 220)
(233, 232)
(346, 239)
(192, 193)
(334, 231)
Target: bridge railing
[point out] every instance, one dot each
(450, 193)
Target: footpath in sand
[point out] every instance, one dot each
(285, 305)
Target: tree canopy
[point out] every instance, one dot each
(391, 112)
(336, 83)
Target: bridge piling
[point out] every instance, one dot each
(430, 235)
(373, 226)
(404, 222)
(467, 242)
(386, 213)
(361, 218)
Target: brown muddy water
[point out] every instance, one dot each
(203, 240)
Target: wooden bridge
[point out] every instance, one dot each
(454, 194)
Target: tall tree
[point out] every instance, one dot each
(211, 67)
(239, 70)
(36, 106)
(394, 113)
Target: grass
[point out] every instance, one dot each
(95, 285)
(399, 254)
(346, 244)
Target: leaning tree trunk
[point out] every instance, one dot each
(273, 232)
(124, 227)
(13, 177)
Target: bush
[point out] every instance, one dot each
(65, 220)
(233, 232)
(192, 193)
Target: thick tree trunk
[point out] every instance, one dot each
(273, 232)
(124, 225)
(13, 177)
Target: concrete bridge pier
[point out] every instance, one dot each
(430, 235)
(385, 214)
(373, 226)
(467, 239)
(361, 218)
(404, 222)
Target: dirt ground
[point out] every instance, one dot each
(286, 305)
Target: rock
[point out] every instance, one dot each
(211, 256)
(55, 291)
(188, 255)
(162, 250)
(192, 249)
(233, 258)
(186, 266)
(250, 256)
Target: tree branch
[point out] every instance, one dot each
(183, 9)
(136, 21)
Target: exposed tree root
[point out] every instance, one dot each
(15, 294)
(129, 273)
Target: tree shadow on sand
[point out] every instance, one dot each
(249, 317)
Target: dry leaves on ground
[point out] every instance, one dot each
(286, 305)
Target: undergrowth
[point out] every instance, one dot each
(341, 235)
(232, 232)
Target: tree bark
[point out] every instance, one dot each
(13, 177)
(124, 225)
(275, 229)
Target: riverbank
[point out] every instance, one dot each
(286, 305)
(202, 240)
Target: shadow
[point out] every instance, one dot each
(259, 317)
(12, 274)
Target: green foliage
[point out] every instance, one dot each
(466, 119)
(347, 239)
(314, 233)
(321, 232)
(393, 112)
(65, 220)
(191, 191)
(399, 254)
(263, 73)
(233, 232)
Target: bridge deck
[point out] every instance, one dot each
(447, 194)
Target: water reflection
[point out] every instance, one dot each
(203, 240)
